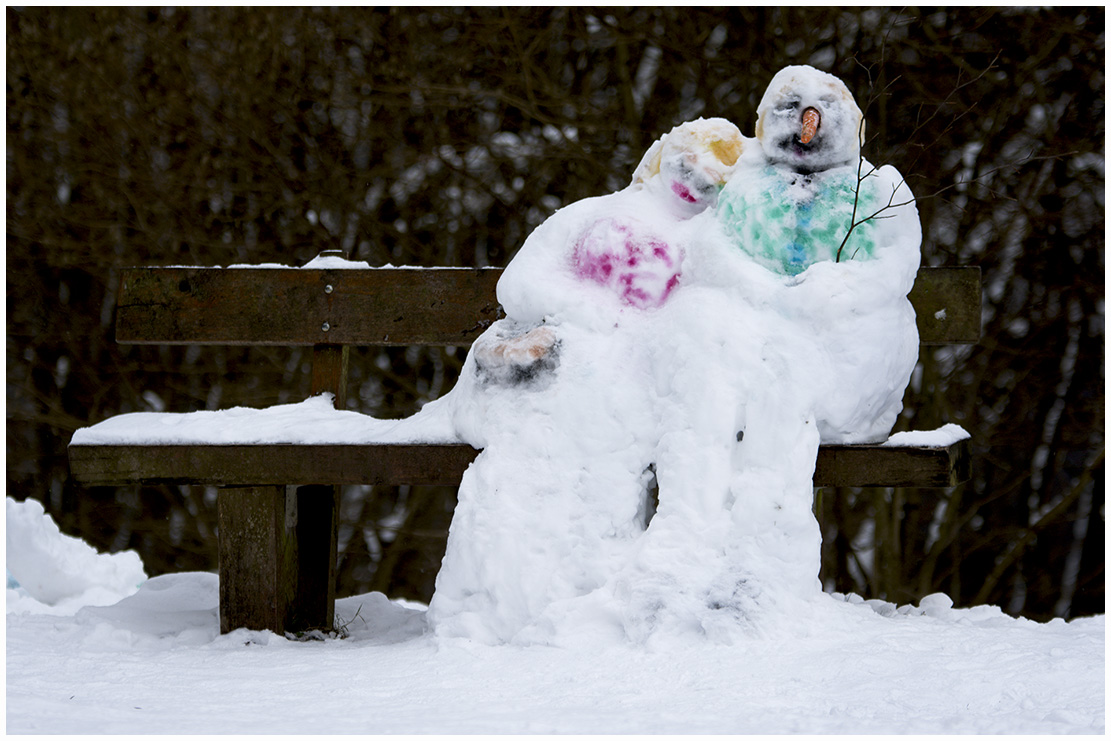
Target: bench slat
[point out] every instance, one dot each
(947, 304)
(399, 306)
(259, 465)
(299, 306)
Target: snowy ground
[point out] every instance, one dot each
(112, 656)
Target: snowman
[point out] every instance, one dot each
(560, 396)
(810, 253)
(845, 238)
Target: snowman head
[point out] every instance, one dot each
(808, 121)
(688, 166)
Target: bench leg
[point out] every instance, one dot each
(277, 558)
(258, 556)
(318, 509)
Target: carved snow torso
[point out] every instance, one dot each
(787, 221)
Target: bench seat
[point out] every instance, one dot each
(939, 464)
(313, 443)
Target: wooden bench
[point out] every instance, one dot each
(277, 504)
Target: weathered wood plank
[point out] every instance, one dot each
(399, 306)
(229, 465)
(297, 307)
(329, 372)
(947, 302)
(877, 465)
(258, 558)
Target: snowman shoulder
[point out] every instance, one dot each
(547, 278)
(898, 227)
(889, 185)
(532, 282)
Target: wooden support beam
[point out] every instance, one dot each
(275, 572)
(318, 511)
(316, 534)
(329, 372)
(258, 558)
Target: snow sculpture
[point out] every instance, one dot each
(560, 396)
(848, 233)
(641, 267)
(714, 335)
(792, 326)
(627, 245)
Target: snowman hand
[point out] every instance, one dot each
(517, 359)
(522, 350)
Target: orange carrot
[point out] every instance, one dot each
(811, 119)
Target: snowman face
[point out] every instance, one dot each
(809, 122)
(691, 179)
(695, 164)
(689, 166)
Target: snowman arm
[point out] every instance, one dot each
(891, 271)
(888, 195)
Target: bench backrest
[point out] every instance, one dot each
(332, 309)
(399, 306)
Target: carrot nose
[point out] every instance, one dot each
(811, 120)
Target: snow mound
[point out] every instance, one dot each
(334, 262)
(52, 572)
(181, 608)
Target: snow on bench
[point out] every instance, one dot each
(243, 446)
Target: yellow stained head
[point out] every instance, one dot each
(710, 146)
